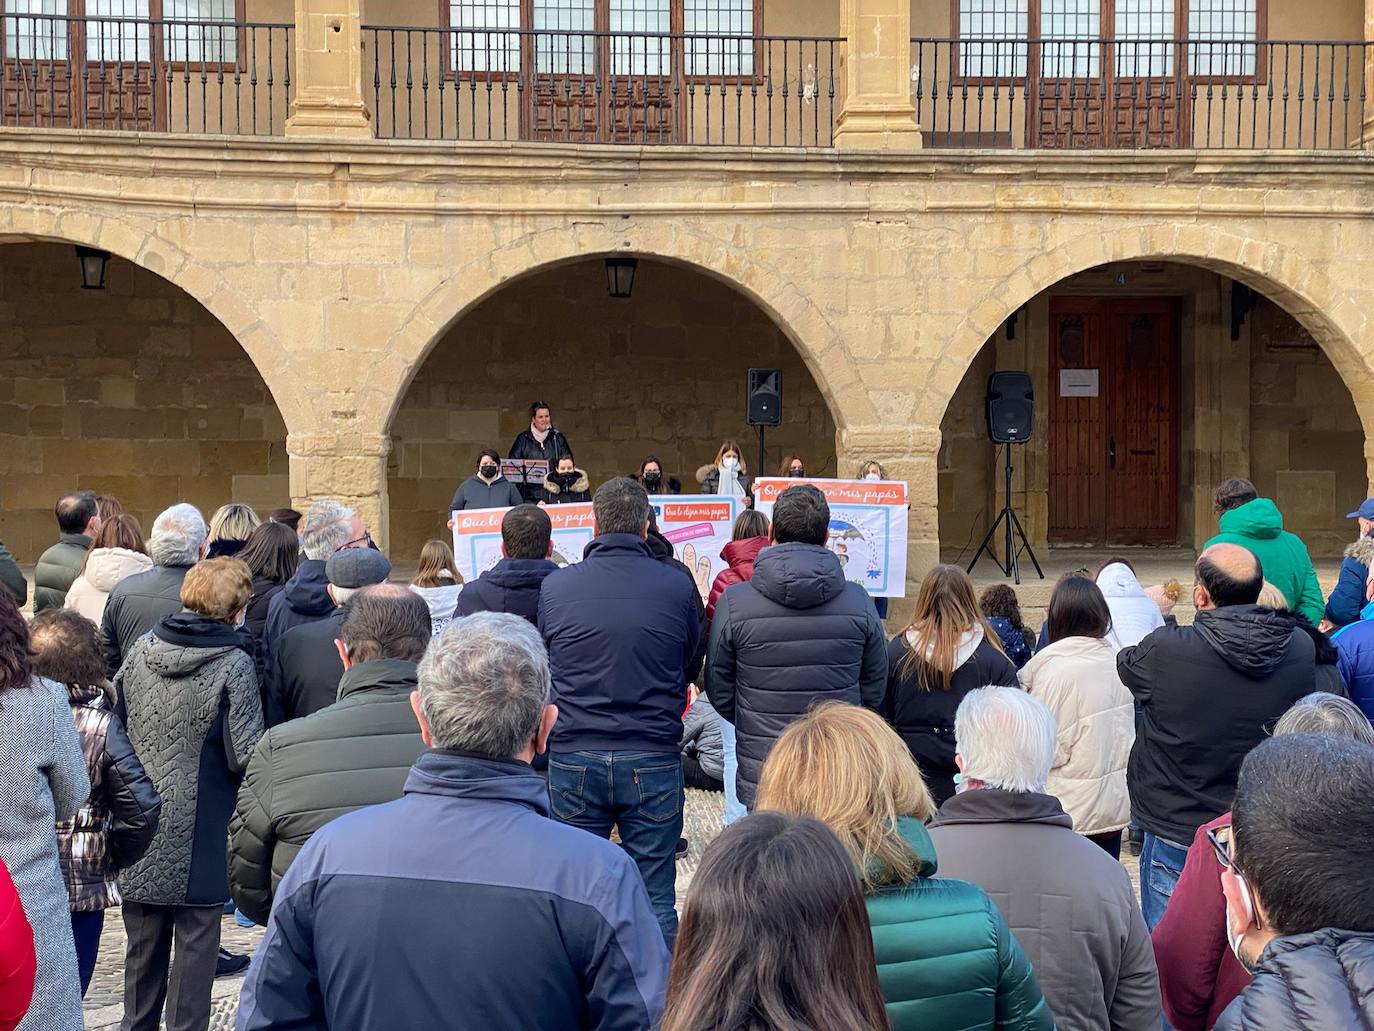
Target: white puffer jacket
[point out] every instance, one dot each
(1134, 613)
(1077, 679)
(105, 567)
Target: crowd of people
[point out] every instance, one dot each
(453, 802)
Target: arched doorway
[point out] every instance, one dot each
(135, 390)
(1154, 381)
(660, 372)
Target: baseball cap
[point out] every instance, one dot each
(1365, 511)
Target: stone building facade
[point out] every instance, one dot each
(330, 314)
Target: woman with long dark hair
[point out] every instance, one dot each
(272, 553)
(45, 781)
(774, 935)
(947, 650)
(1075, 676)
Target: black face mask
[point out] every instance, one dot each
(490, 471)
(796, 471)
(652, 479)
(565, 480)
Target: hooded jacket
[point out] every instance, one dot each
(1355, 660)
(1134, 614)
(1208, 693)
(739, 557)
(442, 601)
(795, 633)
(308, 772)
(945, 955)
(57, 568)
(512, 585)
(1095, 720)
(574, 492)
(475, 492)
(302, 599)
(921, 709)
(370, 903)
(189, 698)
(1348, 596)
(1258, 526)
(134, 606)
(1070, 905)
(105, 567)
(621, 628)
(1308, 982)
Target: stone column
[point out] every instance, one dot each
(877, 113)
(329, 69)
(1367, 135)
(349, 467)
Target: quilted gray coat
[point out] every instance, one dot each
(42, 780)
(189, 693)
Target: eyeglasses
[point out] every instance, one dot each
(365, 541)
(1221, 848)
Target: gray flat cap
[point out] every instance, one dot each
(357, 567)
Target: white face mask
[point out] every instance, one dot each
(1236, 940)
(729, 462)
(873, 476)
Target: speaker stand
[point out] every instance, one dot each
(758, 470)
(1012, 526)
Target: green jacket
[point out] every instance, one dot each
(946, 957)
(1258, 525)
(57, 568)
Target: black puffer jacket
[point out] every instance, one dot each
(1328, 675)
(512, 585)
(1321, 981)
(1208, 693)
(796, 633)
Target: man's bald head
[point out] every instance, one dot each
(1227, 574)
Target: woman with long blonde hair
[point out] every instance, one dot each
(438, 582)
(946, 651)
(945, 956)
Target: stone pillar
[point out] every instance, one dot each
(349, 467)
(329, 70)
(877, 113)
(1367, 135)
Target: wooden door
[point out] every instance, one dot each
(38, 81)
(1113, 421)
(118, 73)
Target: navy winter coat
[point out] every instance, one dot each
(303, 599)
(1347, 598)
(1355, 648)
(621, 628)
(795, 633)
(512, 585)
(1322, 979)
(498, 916)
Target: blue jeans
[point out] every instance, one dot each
(641, 794)
(734, 808)
(1161, 862)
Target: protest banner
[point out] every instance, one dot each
(868, 528)
(697, 526)
(477, 536)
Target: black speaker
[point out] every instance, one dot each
(1011, 407)
(763, 397)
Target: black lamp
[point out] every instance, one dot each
(93, 264)
(620, 276)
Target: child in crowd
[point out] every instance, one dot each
(999, 603)
(438, 582)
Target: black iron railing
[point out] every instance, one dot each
(141, 74)
(1139, 93)
(601, 87)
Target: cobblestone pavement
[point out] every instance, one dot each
(702, 822)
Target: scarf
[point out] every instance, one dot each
(540, 437)
(729, 482)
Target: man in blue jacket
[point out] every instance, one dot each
(463, 904)
(512, 585)
(622, 630)
(1348, 597)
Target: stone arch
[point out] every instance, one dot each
(217, 295)
(1335, 321)
(816, 340)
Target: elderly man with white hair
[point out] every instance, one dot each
(329, 527)
(463, 904)
(139, 601)
(1068, 902)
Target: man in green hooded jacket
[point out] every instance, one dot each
(1255, 523)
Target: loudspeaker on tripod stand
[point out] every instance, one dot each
(1011, 418)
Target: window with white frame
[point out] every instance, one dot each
(200, 31)
(41, 38)
(725, 31)
(1069, 30)
(992, 35)
(1223, 37)
(118, 32)
(1144, 38)
(483, 42)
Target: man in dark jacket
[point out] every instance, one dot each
(1208, 693)
(1299, 898)
(329, 527)
(464, 885)
(539, 443)
(355, 753)
(1069, 903)
(1348, 597)
(139, 601)
(512, 585)
(621, 629)
(78, 520)
(486, 488)
(794, 634)
(306, 665)
(12, 577)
